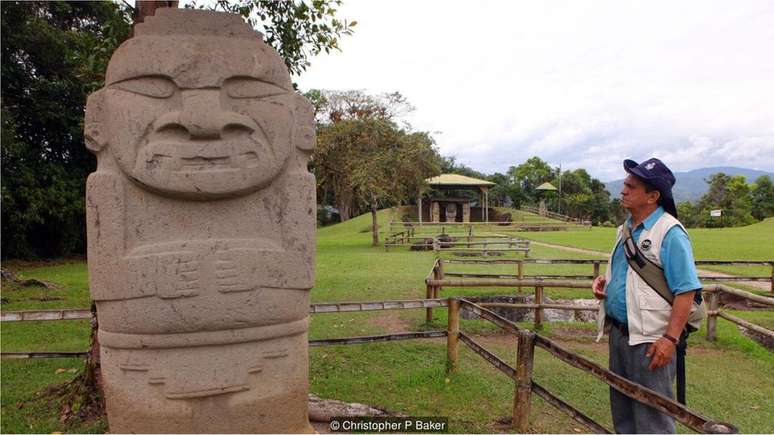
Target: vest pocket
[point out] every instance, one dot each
(655, 312)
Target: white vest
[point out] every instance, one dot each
(647, 312)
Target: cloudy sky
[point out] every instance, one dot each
(578, 83)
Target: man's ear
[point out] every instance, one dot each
(655, 195)
(304, 135)
(93, 125)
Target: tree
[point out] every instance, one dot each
(334, 106)
(531, 174)
(689, 216)
(332, 159)
(502, 192)
(297, 29)
(370, 161)
(729, 194)
(54, 55)
(449, 165)
(762, 198)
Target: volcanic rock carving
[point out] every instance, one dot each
(201, 220)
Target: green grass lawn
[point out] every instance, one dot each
(408, 376)
(753, 242)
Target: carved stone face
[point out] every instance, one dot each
(195, 117)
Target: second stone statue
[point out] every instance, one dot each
(201, 224)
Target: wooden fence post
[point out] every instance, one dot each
(429, 310)
(452, 338)
(524, 363)
(437, 275)
(772, 276)
(712, 316)
(520, 270)
(432, 291)
(539, 309)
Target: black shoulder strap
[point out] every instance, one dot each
(649, 271)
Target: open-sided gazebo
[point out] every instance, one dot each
(455, 209)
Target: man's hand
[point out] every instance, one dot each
(598, 286)
(660, 353)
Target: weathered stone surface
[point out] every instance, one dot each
(201, 221)
(451, 212)
(528, 314)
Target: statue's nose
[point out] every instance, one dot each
(200, 114)
(203, 116)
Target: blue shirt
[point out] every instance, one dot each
(676, 260)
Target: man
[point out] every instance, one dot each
(644, 328)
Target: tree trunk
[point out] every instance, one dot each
(374, 222)
(344, 211)
(147, 8)
(93, 374)
(82, 398)
(346, 206)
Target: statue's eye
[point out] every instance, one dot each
(156, 87)
(252, 88)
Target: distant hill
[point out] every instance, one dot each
(690, 185)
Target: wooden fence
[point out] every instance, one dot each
(519, 272)
(554, 215)
(522, 374)
(420, 227)
(525, 385)
(477, 244)
(713, 311)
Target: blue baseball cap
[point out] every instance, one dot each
(654, 172)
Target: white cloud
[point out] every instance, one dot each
(582, 84)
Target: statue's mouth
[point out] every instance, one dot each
(198, 157)
(207, 168)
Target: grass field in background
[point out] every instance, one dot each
(753, 242)
(409, 376)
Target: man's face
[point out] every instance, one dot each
(198, 118)
(634, 196)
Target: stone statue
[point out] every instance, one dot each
(201, 230)
(451, 212)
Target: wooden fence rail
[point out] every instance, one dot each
(596, 264)
(554, 215)
(312, 343)
(636, 391)
(19, 316)
(522, 373)
(540, 391)
(713, 312)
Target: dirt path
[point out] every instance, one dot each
(570, 249)
(758, 285)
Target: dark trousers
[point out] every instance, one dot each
(630, 416)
